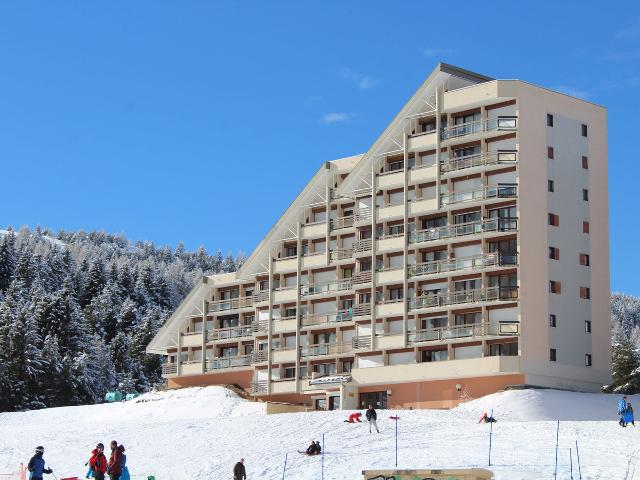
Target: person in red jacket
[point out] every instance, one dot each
(114, 467)
(354, 418)
(98, 462)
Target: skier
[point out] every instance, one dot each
(239, 472)
(36, 465)
(311, 449)
(622, 408)
(372, 418)
(354, 418)
(628, 415)
(97, 463)
(487, 419)
(114, 467)
(318, 448)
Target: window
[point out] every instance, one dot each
(552, 320)
(587, 326)
(375, 399)
(248, 349)
(395, 294)
(347, 365)
(325, 368)
(396, 229)
(550, 186)
(554, 253)
(549, 120)
(587, 359)
(321, 403)
(584, 130)
(584, 260)
(555, 286)
(290, 252)
(550, 153)
(552, 354)
(585, 293)
(503, 349)
(290, 312)
(554, 220)
(435, 355)
(303, 372)
(585, 194)
(585, 227)
(585, 163)
(289, 372)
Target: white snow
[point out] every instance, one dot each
(199, 433)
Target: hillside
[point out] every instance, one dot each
(201, 432)
(77, 310)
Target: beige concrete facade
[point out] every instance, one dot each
(418, 274)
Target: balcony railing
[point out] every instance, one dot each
(341, 222)
(259, 356)
(493, 191)
(361, 309)
(362, 277)
(341, 254)
(327, 318)
(318, 288)
(362, 245)
(464, 296)
(484, 260)
(231, 304)
(228, 362)
(259, 386)
(324, 349)
(470, 161)
(470, 128)
(237, 331)
(169, 369)
(363, 215)
(464, 331)
(462, 229)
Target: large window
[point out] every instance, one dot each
(375, 399)
(325, 368)
(435, 355)
(503, 349)
(468, 318)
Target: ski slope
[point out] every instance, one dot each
(199, 433)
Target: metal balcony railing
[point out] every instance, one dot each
(238, 331)
(362, 245)
(341, 222)
(231, 304)
(479, 126)
(341, 254)
(324, 349)
(363, 215)
(344, 315)
(362, 277)
(361, 309)
(259, 386)
(228, 362)
(169, 369)
(478, 160)
(462, 229)
(492, 191)
(464, 296)
(485, 260)
(318, 288)
(464, 331)
(259, 356)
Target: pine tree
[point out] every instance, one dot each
(625, 363)
(94, 283)
(6, 263)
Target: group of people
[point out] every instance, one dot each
(115, 467)
(313, 449)
(625, 410)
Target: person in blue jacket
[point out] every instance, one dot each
(622, 408)
(628, 415)
(36, 465)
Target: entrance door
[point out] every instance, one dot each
(334, 403)
(377, 399)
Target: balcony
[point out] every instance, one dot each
(228, 362)
(471, 161)
(259, 386)
(476, 262)
(313, 320)
(391, 307)
(284, 355)
(485, 193)
(329, 349)
(322, 288)
(361, 310)
(463, 229)
(463, 332)
(363, 215)
(315, 229)
(362, 246)
(236, 332)
(169, 369)
(285, 324)
(338, 254)
(313, 259)
(284, 294)
(191, 339)
(490, 294)
(342, 222)
(259, 356)
(480, 126)
(231, 304)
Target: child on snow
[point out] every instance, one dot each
(354, 418)
(487, 419)
(628, 415)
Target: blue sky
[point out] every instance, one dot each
(157, 119)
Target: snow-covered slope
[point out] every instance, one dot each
(200, 433)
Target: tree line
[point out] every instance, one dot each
(77, 310)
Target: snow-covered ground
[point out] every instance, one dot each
(199, 433)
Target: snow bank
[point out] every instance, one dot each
(199, 433)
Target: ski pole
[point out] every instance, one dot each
(285, 464)
(571, 463)
(555, 471)
(322, 459)
(578, 455)
(490, 436)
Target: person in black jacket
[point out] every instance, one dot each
(239, 473)
(372, 418)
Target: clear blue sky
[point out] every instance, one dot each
(156, 119)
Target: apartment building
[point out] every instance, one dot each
(465, 252)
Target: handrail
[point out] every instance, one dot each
(341, 222)
(362, 277)
(478, 160)
(361, 309)
(259, 356)
(483, 260)
(228, 362)
(233, 332)
(259, 386)
(341, 253)
(169, 369)
(343, 315)
(464, 296)
(364, 214)
(462, 229)
(332, 286)
(491, 191)
(462, 331)
(231, 304)
(479, 126)
(356, 343)
(362, 245)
